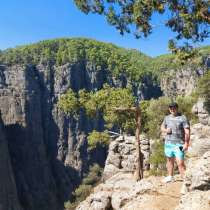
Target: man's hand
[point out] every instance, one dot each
(165, 130)
(185, 146)
(168, 130)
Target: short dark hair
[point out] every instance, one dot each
(173, 104)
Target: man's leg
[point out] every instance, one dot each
(181, 166)
(170, 166)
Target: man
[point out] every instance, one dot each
(176, 130)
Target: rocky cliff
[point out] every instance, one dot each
(182, 81)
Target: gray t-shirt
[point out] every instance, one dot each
(177, 124)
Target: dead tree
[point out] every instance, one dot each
(137, 111)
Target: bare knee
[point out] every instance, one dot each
(180, 164)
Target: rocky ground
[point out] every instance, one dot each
(123, 192)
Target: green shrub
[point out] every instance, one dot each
(70, 206)
(157, 159)
(93, 176)
(91, 180)
(82, 192)
(185, 107)
(68, 102)
(98, 138)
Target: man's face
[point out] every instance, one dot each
(173, 110)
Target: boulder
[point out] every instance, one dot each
(198, 174)
(122, 155)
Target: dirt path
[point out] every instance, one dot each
(164, 197)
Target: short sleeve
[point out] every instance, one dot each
(185, 122)
(164, 123)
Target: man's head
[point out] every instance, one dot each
(173, 108)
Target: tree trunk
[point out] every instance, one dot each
(139, 167)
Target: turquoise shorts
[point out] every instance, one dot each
(173, 150)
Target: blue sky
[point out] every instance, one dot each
(29, 21)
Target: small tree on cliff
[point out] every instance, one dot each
(189, 20)
(118, 108)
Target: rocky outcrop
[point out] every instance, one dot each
(200, 132)
(200, 110)
(196, 186)
(121, 191)
(198, 174)
(122, 155)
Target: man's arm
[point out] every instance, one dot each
(186, 127)
(165, 130)
(186, 138)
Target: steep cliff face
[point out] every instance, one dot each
(8, 191)
(21, 109)
(183, 80)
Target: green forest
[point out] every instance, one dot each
(134, 64)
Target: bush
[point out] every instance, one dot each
(70, 206)
(98, 138)
(84, 190)
(185, 107)
(93, 176)
(157, 159)
(68, 102)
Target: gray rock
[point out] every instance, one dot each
(145, 147)
(180, 82)
(196, 200)
(128, 163)
(145, 142)
(200, 141)
(122, 155)
(198, 174)
(114, 159)
(109, 171)
(101, 201)
(119, 199)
